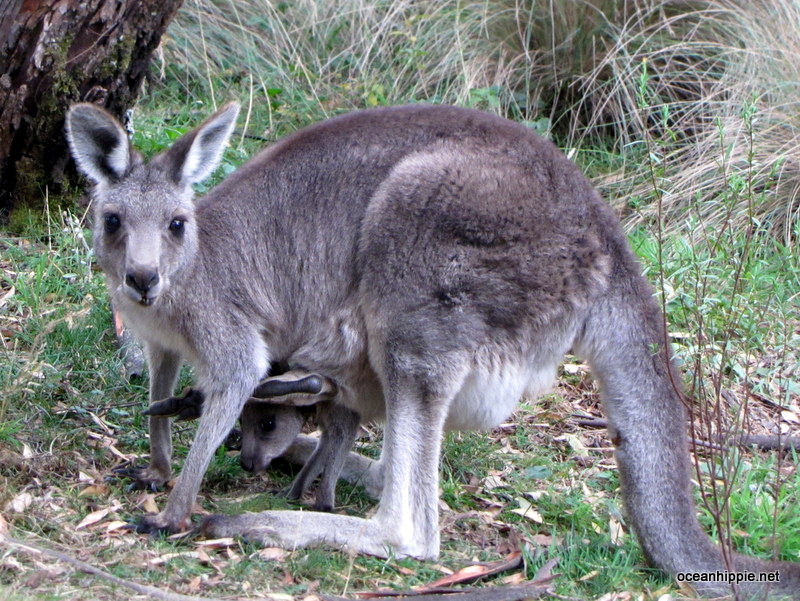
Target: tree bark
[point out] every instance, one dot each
(54, 53)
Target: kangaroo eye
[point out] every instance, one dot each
(111, 222)
(176, 226)
(267, 425)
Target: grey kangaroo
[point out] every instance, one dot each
(436, 263)
(271, 424)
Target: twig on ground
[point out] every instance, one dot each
(505, 593)
(765, 442)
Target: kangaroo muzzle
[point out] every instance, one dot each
(142, 284)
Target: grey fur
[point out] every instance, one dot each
(436, 263)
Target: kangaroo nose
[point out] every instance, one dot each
(142, 280)
(246, 463)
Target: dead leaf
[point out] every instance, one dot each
(115, 525)
(622, 596)
(167, 557)
(93, 518)
(493, 481)
(95, 490)
(526, 510)
(7, 296)
(20, 503)
(478, 571)
(545, 540)
(106, 427)
(27, 453)
(217, 543)
(148, 503)
(575, 368)
(37, 577)
(616, 531)
(545, 573)
(3, 527)
(575, 443)
(790, 416)
(194, 584)
(204, 557)
(198, 509)
(272, 554)
(517, 578)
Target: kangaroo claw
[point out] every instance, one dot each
(185, 407)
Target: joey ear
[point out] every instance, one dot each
(295, 382)
(195, 156)
(98, 143)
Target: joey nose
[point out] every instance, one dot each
(142, 280)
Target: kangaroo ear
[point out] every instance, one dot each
(98, 143)
(195, 156)
(296, 388)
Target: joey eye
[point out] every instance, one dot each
(176, 226)
(267, 425)
(111, 223)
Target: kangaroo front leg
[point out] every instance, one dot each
(221, 408)
(164, 366)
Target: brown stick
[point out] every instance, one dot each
(507, 593)
(766, 442)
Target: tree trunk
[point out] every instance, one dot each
(54, 53)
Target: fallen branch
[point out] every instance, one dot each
(769, 442)
(533, 589)
(142, 589)
(765, 442)
(505, 593)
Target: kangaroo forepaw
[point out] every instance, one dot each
(144, 478)
(186, 406)
(234, 440)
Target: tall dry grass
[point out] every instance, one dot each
(708, 89)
